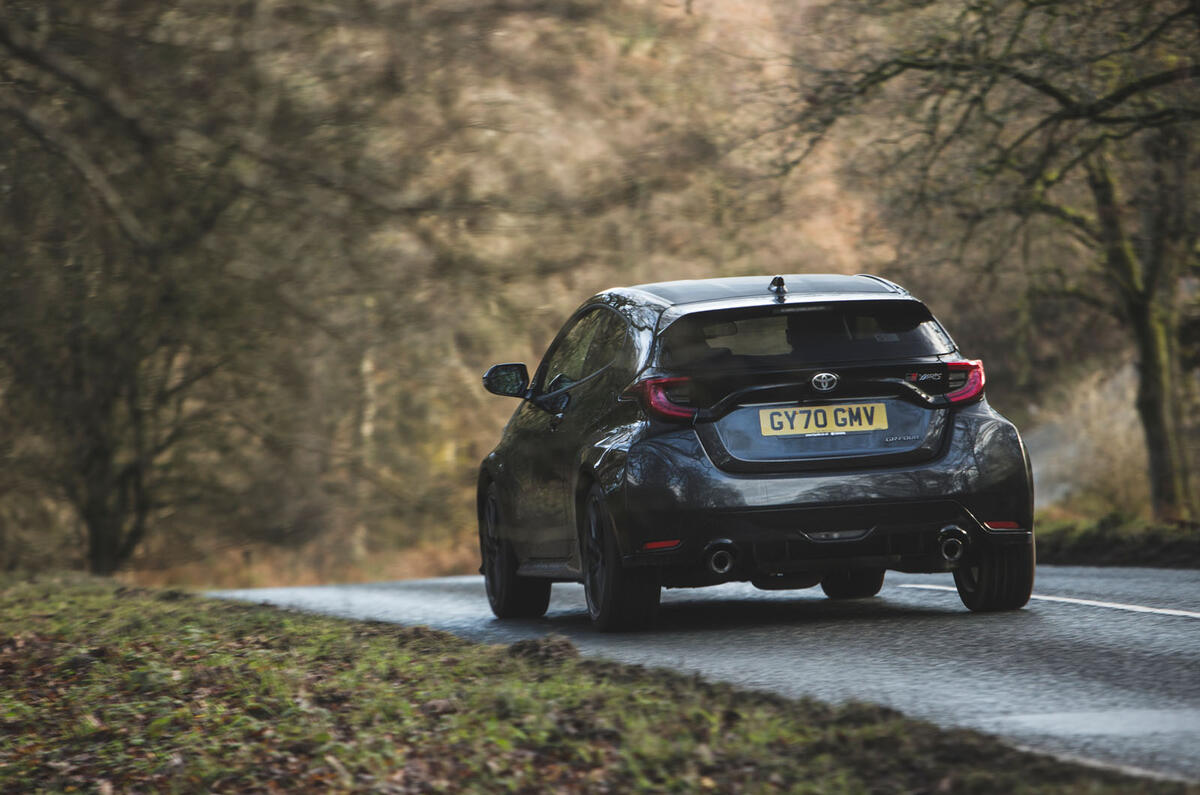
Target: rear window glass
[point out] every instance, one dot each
(803, 334)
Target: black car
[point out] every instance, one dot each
(802, 430)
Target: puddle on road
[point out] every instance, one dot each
(1117, 722)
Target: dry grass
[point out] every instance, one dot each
(1088, 450)
(315, 564)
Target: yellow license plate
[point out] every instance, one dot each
(824, 420)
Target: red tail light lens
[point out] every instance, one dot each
(664, 397)
(970, 374)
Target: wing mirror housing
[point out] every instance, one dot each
(509, 380)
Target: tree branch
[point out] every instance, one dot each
(1073, 217)
(58, 141)
(86, 81)
(1039, 84)
(1071, 108)
(1093, 109)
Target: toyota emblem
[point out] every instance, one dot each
(824, 382)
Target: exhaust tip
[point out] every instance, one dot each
(720, 561)
(952, 543)
(720, 556)
(952, 550)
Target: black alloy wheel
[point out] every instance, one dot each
(509, 594)
(998, 579)
(852, 583)
(617, 598)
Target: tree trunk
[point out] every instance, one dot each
(104, 540)
(1153, 316)
(103, 512)
(1159, 403)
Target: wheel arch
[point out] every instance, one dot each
(485, 479)
(604, 467)
(490, 471)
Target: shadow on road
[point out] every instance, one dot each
(722, 615)
(706, 614)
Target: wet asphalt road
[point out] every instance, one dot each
(1116, 682)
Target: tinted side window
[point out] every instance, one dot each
(610, 344)
(565, 361)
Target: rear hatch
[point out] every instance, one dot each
(814, 386)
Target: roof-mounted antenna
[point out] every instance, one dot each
(779, 288)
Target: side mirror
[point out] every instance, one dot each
(509, 380)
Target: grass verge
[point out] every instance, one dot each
(106, 688)
(1116, 540)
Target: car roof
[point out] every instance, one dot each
(799, 285)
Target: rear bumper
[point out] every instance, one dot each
(783, 523)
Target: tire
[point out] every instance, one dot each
(999, 579)
(853, 583)
(618, 598)
(509, 594)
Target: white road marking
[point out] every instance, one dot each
(1161, 611)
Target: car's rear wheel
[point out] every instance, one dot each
(509, 594)
(999, 579)
(852, 583)
(618, 598)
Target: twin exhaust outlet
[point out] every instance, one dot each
(721, 556)
(952, 543)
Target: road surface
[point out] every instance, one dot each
(1103, 665)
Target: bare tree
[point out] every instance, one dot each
(255, 253)
(186, 212)
(1060, 138)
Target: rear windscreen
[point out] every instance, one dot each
(800, 335)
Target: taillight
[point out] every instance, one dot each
(666, 398)
(966, 381)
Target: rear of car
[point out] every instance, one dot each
(824, 440)
(731, 429)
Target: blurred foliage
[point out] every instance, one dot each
(1088, 449)
(1116, 539)
(257, 254)
(1035, 167)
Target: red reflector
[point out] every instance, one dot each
(1003, 525)
(973, 387)
(660, 544)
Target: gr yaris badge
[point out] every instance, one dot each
(824, 382)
